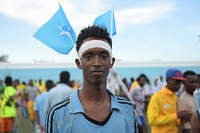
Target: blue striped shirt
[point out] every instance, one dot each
(68, 117)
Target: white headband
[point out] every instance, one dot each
(94, 44)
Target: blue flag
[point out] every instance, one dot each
(57, 33)
(107, 20)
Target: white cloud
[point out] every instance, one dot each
(146, 14)
(194, 28)
(80, 13)
(37, 12)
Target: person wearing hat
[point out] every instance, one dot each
(93, 108)
(162, 112)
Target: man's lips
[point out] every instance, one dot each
(98, 72)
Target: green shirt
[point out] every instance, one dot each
(8, 110)
(1, 90)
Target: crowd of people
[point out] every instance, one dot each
(31, 100)
(102, 104)
(179, 95)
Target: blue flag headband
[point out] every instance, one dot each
(94, 44)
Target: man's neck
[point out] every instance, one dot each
(93, 94)
(190, 93)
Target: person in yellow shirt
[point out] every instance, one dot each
(41, 86)
(133, 85)
(162, 113)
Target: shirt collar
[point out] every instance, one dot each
(167, 90)
(77, 107)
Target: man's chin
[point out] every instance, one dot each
(98, 83)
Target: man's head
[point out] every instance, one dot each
(64, 77)
(94, 48)
(8, 81)
(49, 84)
(94, 32)
(191, 82)
(142, 80)
(174, 79)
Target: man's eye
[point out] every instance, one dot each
(88, 56)
(105, 56)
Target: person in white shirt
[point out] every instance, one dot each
(60, 92)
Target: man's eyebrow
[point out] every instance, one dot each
(88, 52)
(104, 52)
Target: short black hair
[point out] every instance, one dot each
(49, 84)
(8, 80)
(93, 31)
(188, 72)
(64, 77)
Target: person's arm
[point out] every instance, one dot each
(37, 119)
(183, 105)
(47, 104)
(50, 122)
(195, 123)
(37, 115)
(135, 98)
(153, 113)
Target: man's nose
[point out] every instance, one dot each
(97, 62)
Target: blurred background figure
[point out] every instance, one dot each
(195, 122)
(8, 108)
(41, 86)
(186, 101)
(162, 112)
(39, 105)
(158, 84)
(2, 87)
(61, 91)
(30, 94)
(138, 95)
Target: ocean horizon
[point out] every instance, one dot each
(26, 71)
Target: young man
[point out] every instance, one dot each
(8, 109)
(138, 96)
(93, 108)
(60, 92)
(162, 111)
(39, 104)
(186, 101)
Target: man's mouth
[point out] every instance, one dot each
(97, 72)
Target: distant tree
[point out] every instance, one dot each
(4, 58)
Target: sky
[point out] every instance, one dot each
(147, 30)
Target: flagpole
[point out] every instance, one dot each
(111, 20)
(117, 78)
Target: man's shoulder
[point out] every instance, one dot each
(123, 101)
(59, 87)
(61, 105)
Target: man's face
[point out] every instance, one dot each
(95, 63)
(191, 83)
(174, 84)
(142, 81)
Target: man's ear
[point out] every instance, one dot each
(112, 61)
(78, 63)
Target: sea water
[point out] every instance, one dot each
(152, 72)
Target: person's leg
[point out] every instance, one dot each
(3, 124)
(31, 111)
(24, 112)
(144, 127)
(7, 125)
